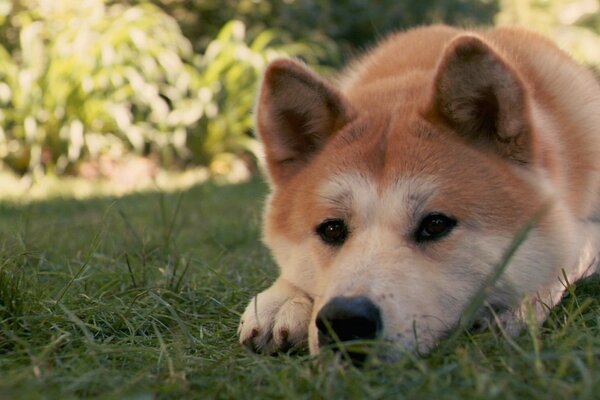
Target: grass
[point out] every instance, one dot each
(139, 297)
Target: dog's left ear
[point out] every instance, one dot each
(482, 98)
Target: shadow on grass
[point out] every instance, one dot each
(111, 289)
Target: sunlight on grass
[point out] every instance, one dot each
(25, 189)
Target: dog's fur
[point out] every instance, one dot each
(497, 128)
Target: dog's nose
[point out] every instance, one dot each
(348, 318)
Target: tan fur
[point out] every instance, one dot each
(490, 126)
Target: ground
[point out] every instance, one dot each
(140, 296)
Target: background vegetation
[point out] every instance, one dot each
(174, 80)
(86, 79)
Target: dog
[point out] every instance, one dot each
(397, 193)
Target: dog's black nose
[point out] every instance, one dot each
(348, 318)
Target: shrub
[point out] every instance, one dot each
(86, 78)
(230, 70)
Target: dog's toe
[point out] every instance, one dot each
(291, 323)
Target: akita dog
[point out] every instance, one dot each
(397, 193)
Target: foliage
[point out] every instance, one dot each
(573, 24)
(229, 71)
(88, 79)
(351, 24)
(175, 80)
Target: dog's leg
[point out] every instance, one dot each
(276, 319)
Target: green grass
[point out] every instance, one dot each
(139, 297)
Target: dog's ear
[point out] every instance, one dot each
(479, 95)
(296, 113)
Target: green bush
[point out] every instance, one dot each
(230, 70)
(88, 78)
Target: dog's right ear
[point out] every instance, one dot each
(296, 113)
(482, 98)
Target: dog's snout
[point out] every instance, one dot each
(348, 318)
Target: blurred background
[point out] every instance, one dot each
(131, 92)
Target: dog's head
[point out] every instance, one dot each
(394, 201)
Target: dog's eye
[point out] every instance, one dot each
(333, 231)
(434, 226)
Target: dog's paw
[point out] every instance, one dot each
(513, 321)
(276, 320)
(508, 321)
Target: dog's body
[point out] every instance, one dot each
(396, 196)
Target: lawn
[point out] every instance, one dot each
(139, 297)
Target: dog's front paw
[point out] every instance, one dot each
(276, 319)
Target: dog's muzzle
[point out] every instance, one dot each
(346, 319)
